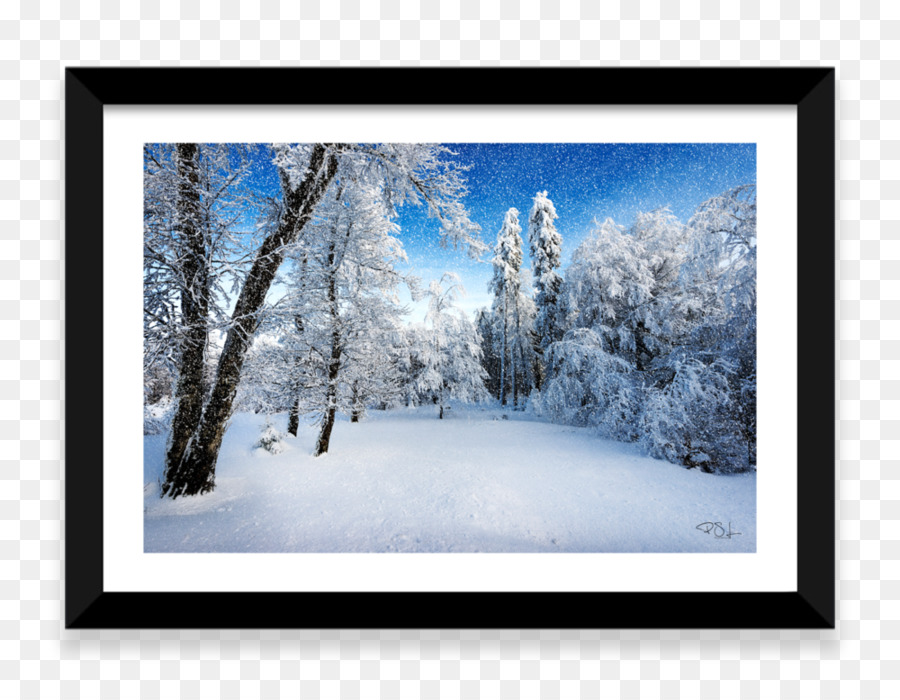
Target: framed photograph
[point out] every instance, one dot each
(450, 348)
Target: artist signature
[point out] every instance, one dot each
(717, 530)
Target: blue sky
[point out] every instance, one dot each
(586, 182)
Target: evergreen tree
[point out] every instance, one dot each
(545, 244)
(484, 322)
(513, 313)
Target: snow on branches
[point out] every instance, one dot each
(545, 244)
(449, 352)
(513, 314)
(663, 348)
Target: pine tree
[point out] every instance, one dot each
(545, 246)
(513, 312)
(484, 322)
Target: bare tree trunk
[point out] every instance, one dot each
(334, 366)
(516, 346)
(324, 439)
(196, 471)
(512, 374)
(294, 418)
(194, 308)
(357, 409)
(503, 368)
(334, 362)
(539, 368)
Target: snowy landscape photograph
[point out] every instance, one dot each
(459, 347)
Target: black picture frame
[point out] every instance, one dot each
(88, 605)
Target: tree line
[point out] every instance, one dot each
(649, 336)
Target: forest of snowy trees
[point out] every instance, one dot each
(650, 336)
(285, 299)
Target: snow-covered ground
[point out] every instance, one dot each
(403, 481)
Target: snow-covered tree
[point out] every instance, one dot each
(195, 197)
(545, 244)
(611, 287)
(513, 312)
(594, 372)
(622, 284)
(194, 472)
(702, 410)
(163, 281)
(490, 346)
(687, 420)
(375, 375)
(414, 337)
(195, 293)
(664, 345)
(451, 352)
(589, 386)
(265, 387)
(343, 306)
(415, 173)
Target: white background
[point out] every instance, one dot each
(771, 568)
